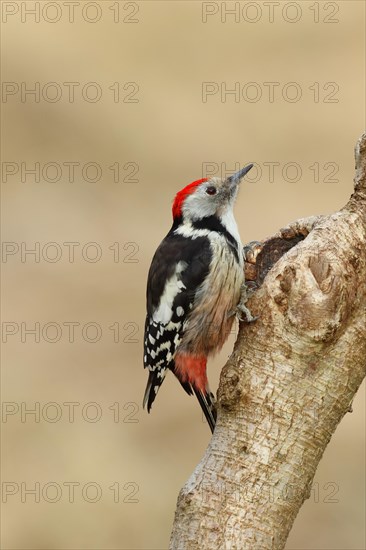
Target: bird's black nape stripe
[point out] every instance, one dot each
(176, 223)
(212, 223)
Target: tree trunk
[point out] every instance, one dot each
(290, 380)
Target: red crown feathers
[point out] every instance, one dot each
(181, 196)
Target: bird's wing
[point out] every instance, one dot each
(177, 271)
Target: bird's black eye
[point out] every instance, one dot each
(211, 190)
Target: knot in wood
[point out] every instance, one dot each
(230, 390)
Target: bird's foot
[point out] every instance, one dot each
(244, 314)
(241, 311)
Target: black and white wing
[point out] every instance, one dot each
(178, 268)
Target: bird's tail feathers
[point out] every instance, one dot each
(154, 382)
(207, 402)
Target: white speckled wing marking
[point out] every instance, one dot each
(173, 286)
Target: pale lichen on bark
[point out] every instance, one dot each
(291, 378)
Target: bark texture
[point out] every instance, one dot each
(289, 382)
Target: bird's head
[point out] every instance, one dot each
(208, 197)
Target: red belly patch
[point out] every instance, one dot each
(192, 369)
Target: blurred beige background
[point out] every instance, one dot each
(108, 474)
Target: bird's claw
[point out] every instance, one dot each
(248, 317)
(241, 311)
(251, 250)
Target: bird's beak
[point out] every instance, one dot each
(234, 179)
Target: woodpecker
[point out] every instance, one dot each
(195, 286)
